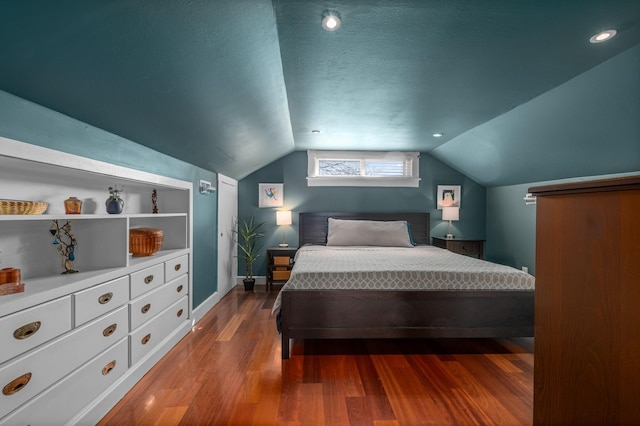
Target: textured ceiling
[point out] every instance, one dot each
(232, 85)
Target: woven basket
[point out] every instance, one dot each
(145, 241)
(22, 207)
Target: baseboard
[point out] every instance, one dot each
(205, 307)
(259, 280)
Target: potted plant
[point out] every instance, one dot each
(248, 236)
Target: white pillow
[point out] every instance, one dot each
(368, 233)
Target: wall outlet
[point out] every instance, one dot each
(525, 269)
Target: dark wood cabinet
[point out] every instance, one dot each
(587, 303)
(461, 246)
(279, 265)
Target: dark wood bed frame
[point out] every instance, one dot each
(349, 314)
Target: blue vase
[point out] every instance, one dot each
(114, 205)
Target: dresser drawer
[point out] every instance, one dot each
(146, 337)
(175, 267)
(146, 280)
(98, 300)
(23, 331)
(76, 391)
(149, 304)
(27, 376)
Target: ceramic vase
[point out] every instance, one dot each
(114, 205)
(72, 205)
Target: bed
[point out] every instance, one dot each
(324, 303)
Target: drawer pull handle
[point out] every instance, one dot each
(105, 298)
(109, 330)
(177, 267)
(146, 339)
(179, 289)
(107, 368)
(148, 279)
(145, 308)
(16, 385)
(179, 314)
(27, 330)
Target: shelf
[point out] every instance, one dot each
(14, 217)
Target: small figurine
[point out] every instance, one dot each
(154, 201)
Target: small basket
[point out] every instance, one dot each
(22, 207)
(281, 260)
(145, 241)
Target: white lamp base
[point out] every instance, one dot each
(450, 236)
(283, 245)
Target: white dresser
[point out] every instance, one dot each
(71, 345)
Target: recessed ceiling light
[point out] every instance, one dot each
(331, 20)
(315, 131)
(438, 135)
(603, 36)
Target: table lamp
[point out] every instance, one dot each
(450, 213)
(283, 217)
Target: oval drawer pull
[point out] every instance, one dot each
(109, 330)
(27, 330)
(179, 289)
(179, 314)
(148, 279)
(177, 267)
(107, 368)
(16, 385)
(105, 298)
(145, 308)
(146, 339)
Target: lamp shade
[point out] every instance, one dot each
(283, 217)
(451, 213)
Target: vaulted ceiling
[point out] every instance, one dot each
(232, 85)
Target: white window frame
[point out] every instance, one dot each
(411, 181)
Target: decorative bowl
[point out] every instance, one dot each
(145, 241)
(22, 207)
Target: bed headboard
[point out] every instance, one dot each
(313, 226)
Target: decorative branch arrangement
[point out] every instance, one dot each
(65, 243)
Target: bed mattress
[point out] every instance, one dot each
(425, 268)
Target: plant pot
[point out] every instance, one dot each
(249, 283)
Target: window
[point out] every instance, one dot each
(360, 168)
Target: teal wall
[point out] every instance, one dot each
(292, 172)
(511, 224)
(511, 227)
(27, 122)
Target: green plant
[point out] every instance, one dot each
(248, 235)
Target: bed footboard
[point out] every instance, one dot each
(349, 314)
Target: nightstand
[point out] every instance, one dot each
(279, 265)
(460, 246)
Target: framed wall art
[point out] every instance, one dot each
(270, 195)
(448, 196)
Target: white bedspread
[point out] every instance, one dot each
(394, 268)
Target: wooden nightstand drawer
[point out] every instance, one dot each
(461, 246)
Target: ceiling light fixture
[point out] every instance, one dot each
(315, 131)
(603, 36)
(438, 135)
(331, 20)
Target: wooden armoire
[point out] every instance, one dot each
(587, 303)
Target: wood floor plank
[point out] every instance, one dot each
(229, 371)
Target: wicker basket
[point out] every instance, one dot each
(22, 207)
(145, 241)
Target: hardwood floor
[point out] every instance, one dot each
(228, 371)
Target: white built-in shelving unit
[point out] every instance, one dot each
(87, 353)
